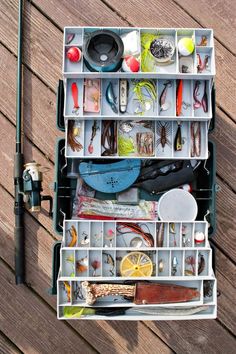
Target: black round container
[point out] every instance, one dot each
(103, 50)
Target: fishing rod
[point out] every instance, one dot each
(28, 177)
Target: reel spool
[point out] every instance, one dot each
(103, 50)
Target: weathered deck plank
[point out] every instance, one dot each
(6, 346)
(29, 323)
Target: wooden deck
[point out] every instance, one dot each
(28, 321)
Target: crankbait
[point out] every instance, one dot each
(111, 98)
(178, 139)
(162, 100)
(94, 132)
(179, 98)
(205, 99)
(75, 96)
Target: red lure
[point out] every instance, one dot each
(75, 95)
(74, 54)
(179, 98)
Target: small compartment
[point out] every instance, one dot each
(74, 98)
(202, 98)
(92, 139)
(83, 234)
(131, 41)
(77, 292)
(110, 97)
(204, 62)
(96, 234)
(209, 291)
(67, 263)
(64, 293)
(75, 138)
(109, 234)
(181, 138)
(163, 265)
(81, 263)
(136, 138)
(152, 41)
(142, 98)
(135, 235)
(108, 263)
(184, 89)
(164, 139)
(186, 62)
(198, 140)
(92, 97)
(162, 234)
(136, 264)
(166, 98)
(190, 263)
(204, 263)
(71, 234)
(73, 36)
(200, 234)
(95, 263)
(174, 234)
(176, 263)
(109, 138)
(203, 38)
(187, 235)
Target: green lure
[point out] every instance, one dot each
(147, 60)
(77, 312)
(150, 87)
(125, 146)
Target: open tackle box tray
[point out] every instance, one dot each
(112, 267)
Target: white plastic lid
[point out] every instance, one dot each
(177, 205)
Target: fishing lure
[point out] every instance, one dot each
(201, 263)
(74, 54)
(190, 260)
(75, 96)
(144, 102)
(111, 98)
(109, 137)
(95, 265)
(195, 139)
(110, 260)
(160, 235)
(94, 132)
(203, 42)
(179, 98)
(136, 229)
(125, 146)
(164, 106)
(178, 144)
(68, 290)
(202, 65)
(160, 266)
(205, 99)
(72, 136)
(82, 265)
(197, 103)
(73, 235)
(174, 266)
(70, 37)
(164, 130)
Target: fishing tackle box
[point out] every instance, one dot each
(65, 190)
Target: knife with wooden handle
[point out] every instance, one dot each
(141, 293)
